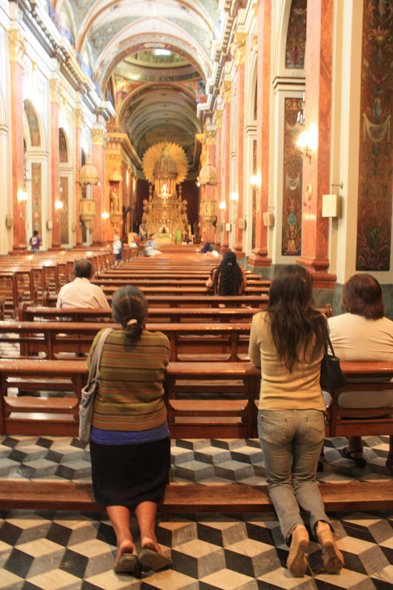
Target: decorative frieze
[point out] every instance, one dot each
(238, 49)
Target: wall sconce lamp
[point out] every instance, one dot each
(222, 205)
(255, 181)
(58, 205)
(105, 215)
(22, 196)
(234, 197)
(307, 142)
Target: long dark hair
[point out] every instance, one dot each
(129, 304)
(228, 276)
(297, 329)
(362, 295)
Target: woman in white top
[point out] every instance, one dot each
(363, 334)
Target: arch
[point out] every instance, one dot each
(289, 26)
(33, 122)
(63, 146)
(252, 96)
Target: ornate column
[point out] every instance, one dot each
(226, 91)
(99, 154)
(79, 121)
(316, 172)
(218, 122)
(259, 256)
(240, 59)
(17, 49)
(210, 194)
(54, 152)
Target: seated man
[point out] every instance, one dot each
(81, 293)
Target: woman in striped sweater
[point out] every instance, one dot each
(130, 447)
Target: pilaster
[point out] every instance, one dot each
(227, 161)
(99, 154)
(240, 76)
(78, 159)
(259, 257)
(316, 171)
(55, 153)
(17, 48)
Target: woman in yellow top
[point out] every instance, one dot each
(287, 341)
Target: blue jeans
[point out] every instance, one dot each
(298, 434)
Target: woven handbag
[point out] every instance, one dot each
(89, 391)
(332, 376)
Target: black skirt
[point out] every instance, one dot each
(126, 475)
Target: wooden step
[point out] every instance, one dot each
(181, 498)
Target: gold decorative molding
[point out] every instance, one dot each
(238, 49)
(99, 137)
(17, 46)
(218, 118)
(114, 158)
(210, 137)
(79, 118)
(226, 91)
(55, 91)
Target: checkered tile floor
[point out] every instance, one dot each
(202, 461)
(70, 551)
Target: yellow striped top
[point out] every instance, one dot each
(130, 392)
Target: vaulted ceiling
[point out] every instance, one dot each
(155, 96)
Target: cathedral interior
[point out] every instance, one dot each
(260, 126)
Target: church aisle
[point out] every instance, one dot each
(72, 551)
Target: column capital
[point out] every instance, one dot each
(238, 49)
(218, 118)
(226, 90)
(210, 137)
(55, 91)
(17, 45)
(79, 118)
(99, 136)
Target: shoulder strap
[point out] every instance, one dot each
(95, 361)
(331, 346)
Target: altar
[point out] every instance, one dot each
(165, 212)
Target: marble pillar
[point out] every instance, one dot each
(227, 166)
(17, 47)
(218, 148)
(55, 160)
(259, 257)
(240, 77)
(99, 153)
(316, 171)
(78, 165)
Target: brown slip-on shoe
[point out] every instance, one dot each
(333, 559)
(127, 564)
(151, 560)
(297, 560)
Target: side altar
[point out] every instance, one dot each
(165, 167)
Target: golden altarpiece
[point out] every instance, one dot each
(165, 167)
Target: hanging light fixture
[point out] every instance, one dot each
(88, 173)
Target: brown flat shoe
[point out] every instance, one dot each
(297, 559)
(151, 560)
(333, 559)
(127, 564)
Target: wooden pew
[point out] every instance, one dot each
(221, 342)
(211, 301)
(188, 418)
(155, 314)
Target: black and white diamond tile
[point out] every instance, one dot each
(202, 461)
(74, 551)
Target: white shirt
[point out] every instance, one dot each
(355, 338)
(81, 293)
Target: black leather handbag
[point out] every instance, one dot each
(332, 376)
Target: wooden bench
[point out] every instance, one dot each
(188, 418)
(221, 342)
(175, 301)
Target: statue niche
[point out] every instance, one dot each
(165, 167)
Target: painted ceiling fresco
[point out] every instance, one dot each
(153, 101)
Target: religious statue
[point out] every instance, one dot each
(114, 201)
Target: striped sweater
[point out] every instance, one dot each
(130, 392)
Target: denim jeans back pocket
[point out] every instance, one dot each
(315, 429)
(272, 428)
